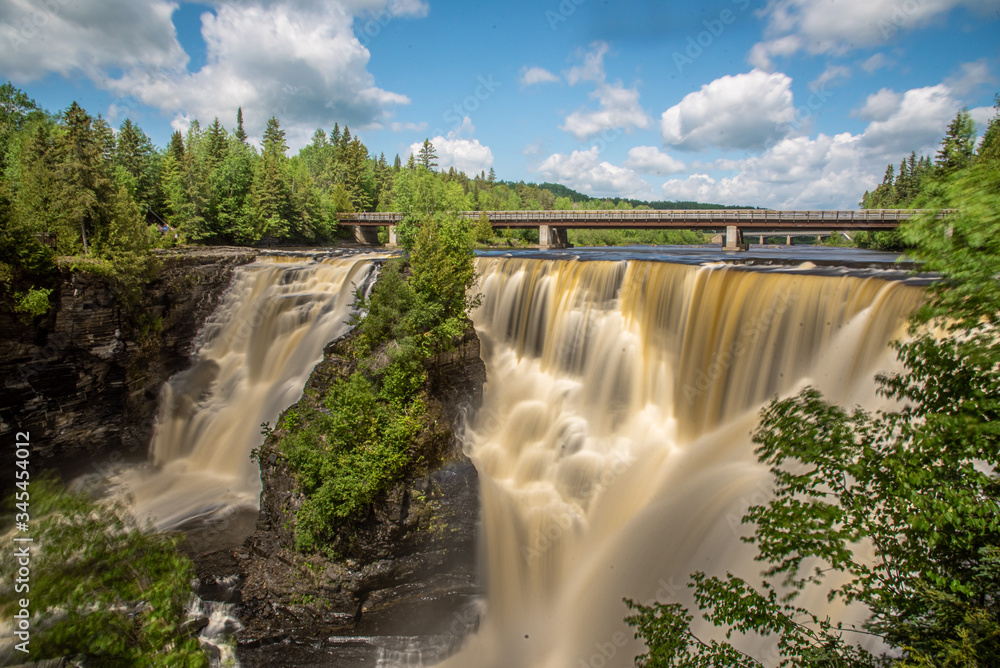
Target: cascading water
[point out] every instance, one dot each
(254, 356)
(613, 443)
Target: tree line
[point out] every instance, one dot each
(918, 179)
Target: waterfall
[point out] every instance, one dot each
(613, 443)
(253, 358)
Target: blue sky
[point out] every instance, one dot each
(780, 103)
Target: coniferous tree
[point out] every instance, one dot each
(958, 144)
(274, 139)
(239, 132)
(427, 157)
(217, 139)
(989, 147)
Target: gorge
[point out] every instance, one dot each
(612, 446)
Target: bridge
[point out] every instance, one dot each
(553, 225)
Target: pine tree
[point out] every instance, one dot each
(176, 147)
(274, 138)
(492, 178)
(397, 164)
(989, 147)
(134, 154)
(958, 144)
(217, 144)
(240, 133)
(83, 183)
(427, 157)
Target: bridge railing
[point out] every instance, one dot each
(722, 216)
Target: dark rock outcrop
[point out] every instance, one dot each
(82, 382)
(412, 565)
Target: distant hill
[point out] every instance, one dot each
(560, 190)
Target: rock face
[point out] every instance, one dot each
(82, 383)
(412, 569)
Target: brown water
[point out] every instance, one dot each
(614, 439)
(254, 356)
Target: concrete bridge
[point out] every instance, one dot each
(733, 223)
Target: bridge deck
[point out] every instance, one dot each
(747, 219)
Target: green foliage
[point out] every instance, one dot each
(353, 446)
(624, 237)
(100, 588)
(917, 484)
(34, 302)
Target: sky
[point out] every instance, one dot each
(788, 104)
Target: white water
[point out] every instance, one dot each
(253, 358)
(614, 439)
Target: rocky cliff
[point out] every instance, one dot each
(411, 571)
(82, 382)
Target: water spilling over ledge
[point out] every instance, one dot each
(253, 357)
(614, 439)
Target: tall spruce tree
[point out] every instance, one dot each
(239, 132)
(958, 144)
(426, 156)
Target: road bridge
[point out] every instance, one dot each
(552, 225)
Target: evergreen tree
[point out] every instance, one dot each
(397, 164)
(274, 139)
(958, 144)
(239, 132)
(83, 183)
(134, 154)
(176, 147)
(217, 144)
(989, 147)
(492, 178)
(427, 157)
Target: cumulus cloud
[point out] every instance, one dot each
(592, 67)
(829, 75)
(87, 36)
(618, 106)
(650, 160)
(876, 62)
(970, 77)
(459, 150)
(746, 111)
(837, 27)
(297, 59)
(536, 75)
(917, 123)
(796, 173)
(879, 106)
(586, 172)
(829, 172)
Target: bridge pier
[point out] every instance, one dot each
(393, 240)
(552, 237)
(734, 239)
(365, 234)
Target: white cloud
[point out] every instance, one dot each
(830, 74)
(838, 27)
(87, 36)
(982, 116)
(531, 76)
(746, 111)
(296, 59)
(761, 53)
(465, 155)
(586, 172)
(396, 126)
(970, 77)
(592, 68)
(797, 173)
(879, 106)
(829, 172)
(618, 108)
(917, 123)
(650, 160)
(876, 62)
